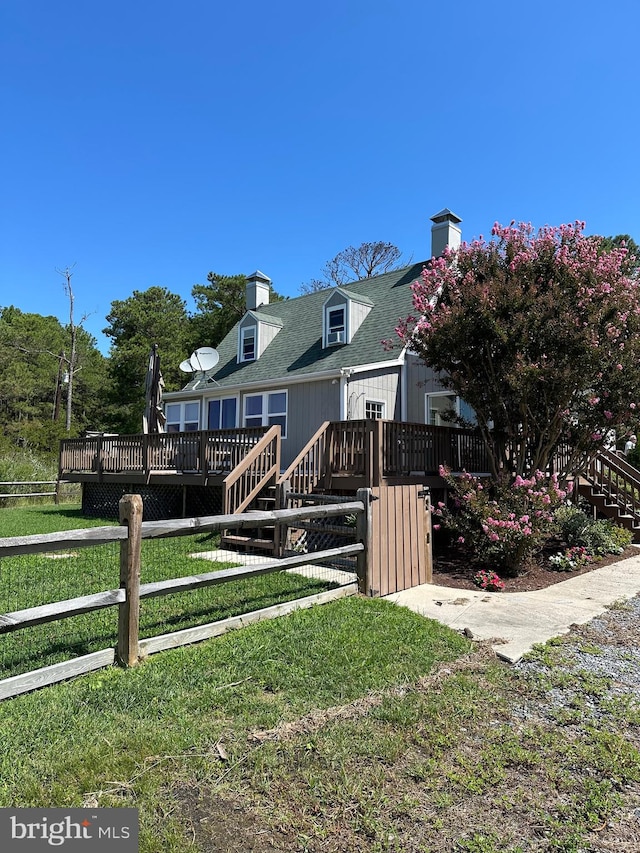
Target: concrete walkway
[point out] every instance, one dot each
(519, 620)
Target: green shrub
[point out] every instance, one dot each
(571, 522)
(599, 536)
(20, 465)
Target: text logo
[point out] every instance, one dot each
(102, 830)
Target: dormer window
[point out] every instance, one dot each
(342, 315)
(255, 333)
(336, 325)
(248, 343)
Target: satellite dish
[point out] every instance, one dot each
(204, 359)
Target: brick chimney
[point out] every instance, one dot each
(257, 292)
(444, 232)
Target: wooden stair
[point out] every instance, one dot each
(261, 539)
(612, 486)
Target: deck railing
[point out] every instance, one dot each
(349, 447)
(617, 480)
(379, 449)
(308, 468)
(422, 448)
(251, 474)
(203, 452)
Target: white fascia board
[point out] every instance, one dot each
(224, 390)
(377, 365)
(334, 373)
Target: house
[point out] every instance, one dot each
(320, 357)
(304, 396)
(301, 394)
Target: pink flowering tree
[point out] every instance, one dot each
(540, 334)
(502, 525)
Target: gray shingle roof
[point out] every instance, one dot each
(297, 348)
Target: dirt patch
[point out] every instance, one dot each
(454, 568)
(223, 824)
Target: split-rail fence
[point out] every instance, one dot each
(132, 530)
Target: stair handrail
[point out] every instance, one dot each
(304, 481)
(267, 450)
(621, 481)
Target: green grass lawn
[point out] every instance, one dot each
(183, 718)
(32, 580)
(352, 727)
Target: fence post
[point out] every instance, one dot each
(129, 611)
(282, 500)
(364, 534)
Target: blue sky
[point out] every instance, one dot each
(151, 142)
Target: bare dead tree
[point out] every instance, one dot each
(356, 263)
(72, 365)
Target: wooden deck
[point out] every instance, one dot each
(186, 458)
(342, 456)
(368, 453)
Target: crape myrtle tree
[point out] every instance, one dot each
(540, 334)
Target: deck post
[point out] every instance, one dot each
(364, 534)
(378, 450)
(202, 453)
(329, 461)
(127, 653)
(99, 458)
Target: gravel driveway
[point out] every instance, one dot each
(593, 680)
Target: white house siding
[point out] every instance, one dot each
(381, 386)
(421, 380)
(266, 334)
(358, 314)
(308, 405)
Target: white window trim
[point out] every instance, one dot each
(344, 306)
(244, 333)
(382, 403)
(235, 397)
(183, 404)
(427, 407)
(264, 415)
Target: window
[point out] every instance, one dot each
(253, 410)
(277, 410)
(266, 410)
(248, 343)
(336, 325)
(336, 320)
(374, 409)
(223, 413)
(183, 417)
(441, 409)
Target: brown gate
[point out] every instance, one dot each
(400, 555)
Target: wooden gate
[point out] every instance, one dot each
(400, 555)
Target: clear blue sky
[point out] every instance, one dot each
(151, 142)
